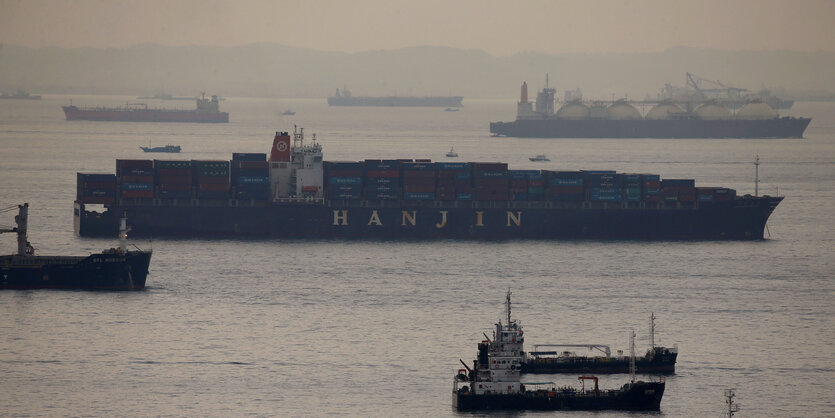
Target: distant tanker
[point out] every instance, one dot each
(620, 119)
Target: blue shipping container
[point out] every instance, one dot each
(253, 180)
(138, 186)
(558, 181)
(346, 180)
(464, 196)
(419, 196)
(453, 166)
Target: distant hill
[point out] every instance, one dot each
(271, 70)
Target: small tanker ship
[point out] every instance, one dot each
(207, 111)
(494, 382)
(619, 119)
(113, 269)
(657, 360)
(295, 193)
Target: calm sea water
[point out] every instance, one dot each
(299, 327)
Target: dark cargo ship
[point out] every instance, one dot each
(297, 194)
(114, 269)
(619, 119)
(346, 99)
(208, 111)
(494, 382)
(657, 360)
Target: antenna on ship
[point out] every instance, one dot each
(123, 234)
(729, 400)
(757, 176)
(652, 331)
(508, 305)
(632, 354)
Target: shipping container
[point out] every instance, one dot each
(678, 183)
(138, 186)
(212, 187)
(345, 180)
(252, 180)
(137, 194)
(568, 197)
(136, 179)
(172, 164)
(175, 194)
(175, 187)
(382, 174)
(344, 165)
(250, 165)
(464, 196)
(419, 196)
(251, 156)
(212, 194)
(452, 166)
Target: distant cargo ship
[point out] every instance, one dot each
(297, 194)
(620, 119)
(208, 111)
(165, 96)
(20, 95)
(346, 99)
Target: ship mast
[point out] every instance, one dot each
(757, 176)
(732, 407)
(632, 354)
(652, 331)
(507, 303)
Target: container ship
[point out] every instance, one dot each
(657, 360)
(346, 99)
(295, 193)
(494, 382)
(113, 269)
(208, 111)
(666, 119)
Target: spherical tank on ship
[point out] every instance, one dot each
(573, 110)
(623, 111)
(756, 110)
(664, 111)
(713, 111)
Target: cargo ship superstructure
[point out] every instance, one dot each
(207, 111)
(113, 269)
(657, 360)
(345, 98)
(494, 382)
(295, 193)
(666, 119)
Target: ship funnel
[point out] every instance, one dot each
(281, 147)
(524, 98)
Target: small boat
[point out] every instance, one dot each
(288, 112)
(452, 153)
(113, 269)
(540, 157)
(494, 381)
(451, 109)
(167, 148)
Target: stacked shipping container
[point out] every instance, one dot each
(491, 181)
(418, 180)
(250, 176)
(135, 178)
(96, 188)
(382, 180)
(344, 179)
(211, 179)
(454, 181)
(174, 179)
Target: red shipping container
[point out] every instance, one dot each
(89, 200)
(490, 166)
(175, 187)
(536, 183)
(137, 179)
(522, 184)
(413, 174)
(99, 185)
(131, 194)
(652, 184)
(213, 187)
(419, 182)
(652, 198)
(488, 182)
(422, 160)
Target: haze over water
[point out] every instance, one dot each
(359, 328)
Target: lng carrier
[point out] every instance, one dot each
(207, 111)
(666, 119)
(494, 381)
(295, 193)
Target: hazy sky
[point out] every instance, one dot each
(498, 27)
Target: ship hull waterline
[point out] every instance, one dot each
(743, 219)
(673, 128)
(105, 271)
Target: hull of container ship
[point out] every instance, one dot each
(105, 271)
(740, 219)
(662, 363)
(638, 396)
(674, 128)
(439, 101)
(144, 115)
